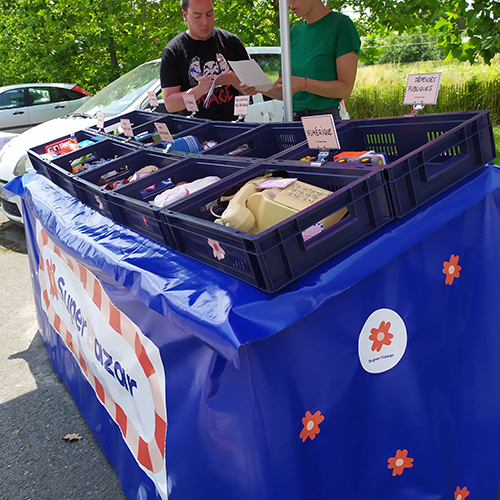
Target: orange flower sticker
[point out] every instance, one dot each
(461, 493)
(400, 462)
(451, 269)
(311, 425)
(380, 336)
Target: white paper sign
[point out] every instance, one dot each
(165, 135)
(422, 88)
(251, 74)
(321, 132)
(127, 127)
(100, 120)
(190, 103)
(241, 103)
(153, 100)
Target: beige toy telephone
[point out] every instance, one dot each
(255, 208)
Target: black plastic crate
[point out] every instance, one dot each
(60, 169)
(219, 132)
(137, 119)
(132, 202)
(92, 194)
(148, 135)
(279, 255)
(426, 154)
(43, 156)
(263, 142)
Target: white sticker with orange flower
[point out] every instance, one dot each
(382, 341)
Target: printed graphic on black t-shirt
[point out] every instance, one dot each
(185, 61)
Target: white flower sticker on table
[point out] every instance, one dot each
(382, 341)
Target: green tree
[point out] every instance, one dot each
(471, 29)
(415, 47)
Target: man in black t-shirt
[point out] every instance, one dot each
(192, 60)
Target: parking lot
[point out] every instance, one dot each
(36, 410)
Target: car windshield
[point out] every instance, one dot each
(120, 94)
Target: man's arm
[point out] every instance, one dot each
(172, 96)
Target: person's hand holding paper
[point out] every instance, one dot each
(251, 75)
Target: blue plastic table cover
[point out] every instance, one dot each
(374, 376)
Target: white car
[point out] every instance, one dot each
(26, 105)
(127, 93)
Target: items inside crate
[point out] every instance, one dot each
(149, 135)
(93, 156)
(353, 203)
(121, 171)
(180, 180)
(68, 144)
(267, 200)
(212, 134)
(270, 196)
(264, 141)
(134, 204)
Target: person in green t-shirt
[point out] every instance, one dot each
(324, 60)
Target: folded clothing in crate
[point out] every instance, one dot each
(358, 204)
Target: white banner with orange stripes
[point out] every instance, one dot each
(122, 365)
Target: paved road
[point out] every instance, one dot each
(36, 410)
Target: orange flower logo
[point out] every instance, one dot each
(451, 269)
(460, 494)
(311, 425)
(400, 462)
(380, 336)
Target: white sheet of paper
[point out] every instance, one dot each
(251, 74)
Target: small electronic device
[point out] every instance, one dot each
(370, 157)
(257, 207)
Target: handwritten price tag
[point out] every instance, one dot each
(321, 132)
(153, 100)
(127, 127)
(422, 88)
(190, 103)
(165, 135)
(241, 103)
(100, 120)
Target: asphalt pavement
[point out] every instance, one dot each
(36, 409)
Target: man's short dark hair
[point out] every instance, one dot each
(184, 5)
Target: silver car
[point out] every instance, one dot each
(26, 105)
